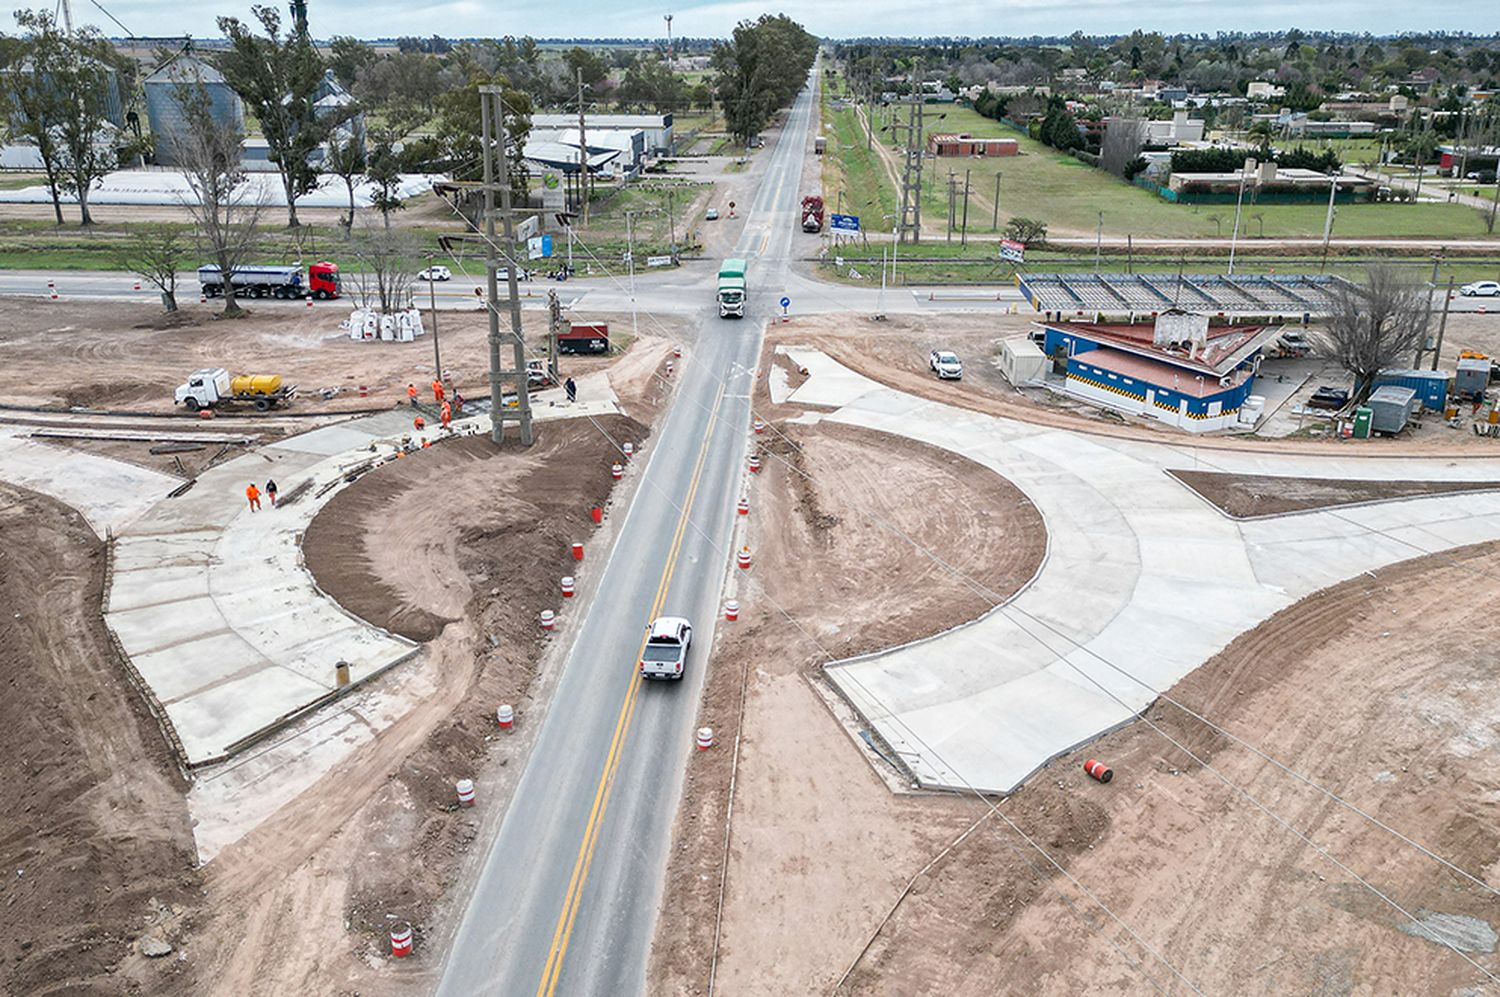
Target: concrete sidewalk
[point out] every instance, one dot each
(108, 494)
(1142, 583)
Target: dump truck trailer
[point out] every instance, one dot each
(322, 281)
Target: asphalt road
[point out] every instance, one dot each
(567, 898)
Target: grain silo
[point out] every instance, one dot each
(168, 85)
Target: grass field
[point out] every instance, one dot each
(1069, 195)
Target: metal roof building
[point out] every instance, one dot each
(166, 87)
(1294, 295)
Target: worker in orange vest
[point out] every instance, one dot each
(411, 394)
(437, 390)
(419, 423)
(253, 494)
(446, 414)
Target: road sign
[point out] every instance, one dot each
(1012, 251)
(538, 247)
(786, 302)
(658, 261)
(844, 223)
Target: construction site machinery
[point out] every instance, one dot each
(732, 289)
(812, 213)
(213, 386)
(273, 282)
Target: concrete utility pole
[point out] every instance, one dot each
(964, 232)
(1443, 325)
(995, 222)
(555, 325)
(952, 201)
(1333, 189)
(1431, 292)
(497, 176)
(910, 225)
(437, 358)
(583, 158)
(1098, 240)
(1234, 236)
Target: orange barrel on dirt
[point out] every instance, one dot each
(137, 285)
(205, 413)
(677, 352)
(465, 789)
(364, 391)
(705, 739)
(760, 427)
(597, 515)
(743, 557)
(309, 302)
(628, 449)
(669, 368)
(754, 464)
(567, 586)
(549, 620)
(617, 472)
(731, 610)
(505, 716)
(400, 939)
(578, 552)
(744, 507)
(1098, 770)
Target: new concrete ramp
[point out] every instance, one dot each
(109, 494)
(1143, 582)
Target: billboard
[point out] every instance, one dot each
(1012, 251)
(539, 247)
(843, 223)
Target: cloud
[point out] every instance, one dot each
(829, 18)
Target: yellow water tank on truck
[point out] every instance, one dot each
(255, 384)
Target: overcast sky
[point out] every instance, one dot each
(829, 18)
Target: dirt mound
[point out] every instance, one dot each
(95, 845)
(400, 547)
(1250, 496)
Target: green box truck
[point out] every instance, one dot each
(732, 289)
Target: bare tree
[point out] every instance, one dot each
(156, 253)
(224, 206)
(387, 265)
(346, 160)
(1376, 325)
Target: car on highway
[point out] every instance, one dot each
(1480, 289)
(503, 273)
(946, 365)
(711, 215)
(666, 650)
(435, 273)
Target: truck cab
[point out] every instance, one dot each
(732, 289)
(665, 653)
(203, 389)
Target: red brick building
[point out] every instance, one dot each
(967, 145)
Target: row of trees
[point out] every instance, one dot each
(760, 69)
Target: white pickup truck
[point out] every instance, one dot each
(666, 648)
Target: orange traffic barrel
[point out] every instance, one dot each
(1098, 770)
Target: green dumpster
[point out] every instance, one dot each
(1362, 418)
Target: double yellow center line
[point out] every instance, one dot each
(573, 898)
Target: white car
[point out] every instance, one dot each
(435, 273)
(503, 273)
(1480, 289)
(666, 650)
(711, 215)
(946, 365)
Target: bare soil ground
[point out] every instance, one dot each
(894, 352)
(1247, 496)
(124, 357)
(95, 842)
(463, 549)
(1378, 689)
(819, 843)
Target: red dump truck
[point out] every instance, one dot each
(812, 213)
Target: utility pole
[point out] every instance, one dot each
(1333, 189)
(910, 224)
(1234, 236)
(671, 225)
(583, 156)
(554, 329)
(995, 222)
(497, 176)
(964, 239)
(1098, 240)
(952, 199)
(1443, 325)
(1431, 290)
(630, 263)
(437, 358)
